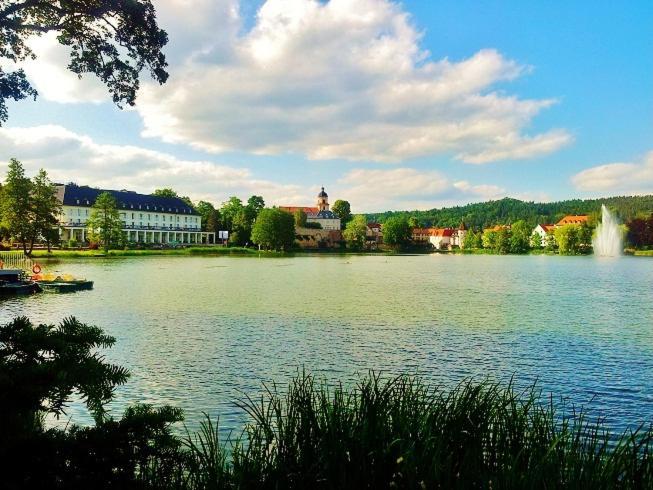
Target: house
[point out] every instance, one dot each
(317, 238)
(319, 214)
(544, 231)
(573, 219)
(458, 236)
(439, 238)
(373, 235)
(145, 218)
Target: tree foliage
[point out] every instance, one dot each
(355, 232)
(343, 210)
(397, 231)
(114, 40)
(506, 211)
(640, 232)
(104, 224)
(300, 218)
(41, 367)
(239, 219)
(210, 216)
(29, 209)
(274, 229)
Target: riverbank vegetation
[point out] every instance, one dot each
(377, 433)
(507, 211)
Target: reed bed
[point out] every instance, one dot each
(402, 433)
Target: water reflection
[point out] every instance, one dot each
(200, 332)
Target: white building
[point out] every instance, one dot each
(146, 218)
(544, 231)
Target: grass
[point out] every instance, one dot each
(401, 433)
(217, 250)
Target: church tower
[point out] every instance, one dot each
(323, 201)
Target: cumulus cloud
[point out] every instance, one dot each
(344, 79)
(629, 178)
(69, 156)
(408, 188)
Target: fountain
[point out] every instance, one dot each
(607, 240)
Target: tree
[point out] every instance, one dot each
(210, 216)
(17, 210)
(112, 39)
(414, 222)
(169, 192)
(355, 232)
(472, 240)
(255, 205)
(165, 192)
(536, 241)
(397, 231)
(567, 238)
(230, 210)
(520, 237)
(300, 218)
(489, 239)
(40, 369)
(343, 210)
(46, 209)
(503, 241)
(274, 229)
(104, 224)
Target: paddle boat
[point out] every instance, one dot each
(15, 281)
(64, 283)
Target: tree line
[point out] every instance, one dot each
(508, 211)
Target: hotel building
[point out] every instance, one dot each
(146, 218)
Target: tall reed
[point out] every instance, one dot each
(402, 433)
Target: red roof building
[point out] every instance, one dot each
(573, 219)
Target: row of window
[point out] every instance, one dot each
(193, 219)
(140, 206)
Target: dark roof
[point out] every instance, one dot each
(82, 195)
(322, 193)
(326, 215)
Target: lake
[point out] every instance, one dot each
(199, 333)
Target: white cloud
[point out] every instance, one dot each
(340, 79)
(408, 188)
(628, 178)
(68, 156)
(54, 81)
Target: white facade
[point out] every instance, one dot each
(327, 223)
(544, 233)
(146, 219)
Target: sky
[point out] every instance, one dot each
(389, 105)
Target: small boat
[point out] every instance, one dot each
(61, 284)
(14, 282)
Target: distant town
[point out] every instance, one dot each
(76, 215)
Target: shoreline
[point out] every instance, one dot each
(249, 252)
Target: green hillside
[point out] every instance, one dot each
(508, 210)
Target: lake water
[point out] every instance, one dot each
(199, 333)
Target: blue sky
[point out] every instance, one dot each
(407, 105)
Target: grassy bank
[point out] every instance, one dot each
(60, 254)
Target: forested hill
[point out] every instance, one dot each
(508, 210)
